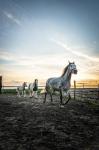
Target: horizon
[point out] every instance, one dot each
(38, 38)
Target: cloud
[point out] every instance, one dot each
(32, 60)
(30, 67)
(79, 54)
(44, 66)
(12, 18)
(4, 55)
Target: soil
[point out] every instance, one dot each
(29, 124)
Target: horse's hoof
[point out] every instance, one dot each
(30, 96)
(61, 106)
(36, 97)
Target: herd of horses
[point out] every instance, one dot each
(60, 84)
(32, 89)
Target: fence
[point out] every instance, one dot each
(85, 92)
(79, 90)
(0, 83)
(12, 89)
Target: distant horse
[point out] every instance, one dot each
(33, 88)
(21, 90)
(61, 83)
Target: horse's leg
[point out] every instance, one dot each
(51, 97)
(68, 99)
(24, 93)
(30, 93)
(36, 95)
(45, 97)
(61, 96)
(18, 93)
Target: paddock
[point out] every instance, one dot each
(28, 123)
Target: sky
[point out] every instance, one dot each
(39, 37)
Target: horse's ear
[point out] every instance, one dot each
(68, 61)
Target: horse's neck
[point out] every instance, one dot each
(35, 84)
(23, 85)
(67, 76)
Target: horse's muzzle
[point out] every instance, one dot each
(75, 71)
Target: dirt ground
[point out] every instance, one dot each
(28, 124)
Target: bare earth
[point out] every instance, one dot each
(28, 124)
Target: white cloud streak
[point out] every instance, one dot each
(31, 60)
(80, 54)
(30, 67)
(12, 18)
(45, 66)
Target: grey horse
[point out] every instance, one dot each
(21, 90)
(61, 83)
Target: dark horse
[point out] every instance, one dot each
(61, 83)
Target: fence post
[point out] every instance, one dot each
(74, 89)
(98, 91)
(0, 84)
(83, 85)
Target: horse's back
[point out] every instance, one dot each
(53, 83)
(48, 82)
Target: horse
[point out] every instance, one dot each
(32, 88)
(61, 83)
(21, 90)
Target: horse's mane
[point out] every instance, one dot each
(64, 71)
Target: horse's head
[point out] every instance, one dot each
(72, 67)
(36, 81)
(25, 84)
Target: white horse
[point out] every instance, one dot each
(33, 88)
(21, 90)
(61, 83)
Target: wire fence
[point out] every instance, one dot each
(79, 90)
(85, 91)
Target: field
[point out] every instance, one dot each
(28, 124)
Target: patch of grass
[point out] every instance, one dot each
(9, 91)
(13, 91)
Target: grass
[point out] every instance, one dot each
(9, 91)
(13, 91)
